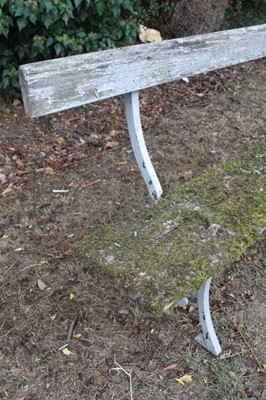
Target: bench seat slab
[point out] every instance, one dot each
(168, 250)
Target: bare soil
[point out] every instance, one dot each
(64, 332)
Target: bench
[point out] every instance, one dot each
(186, 239)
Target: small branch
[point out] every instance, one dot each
(8, 269)
(120, 368)
(236, 327)
(71, 328)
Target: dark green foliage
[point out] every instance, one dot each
(32, 30)
(244, 13)
(152, 13)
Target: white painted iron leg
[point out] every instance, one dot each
(139, 145)
(207, 338)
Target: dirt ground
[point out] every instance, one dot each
(65, 333)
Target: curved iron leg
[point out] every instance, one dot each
(207, 338)
(139, 146)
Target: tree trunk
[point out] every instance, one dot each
(193, 17)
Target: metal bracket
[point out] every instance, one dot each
(207, 338)
(139, 145)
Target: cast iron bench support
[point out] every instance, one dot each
(139, 145)
(208, 338)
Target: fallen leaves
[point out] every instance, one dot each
(19, 162)
(66, 253)
(231, 374)
(66, 352)
(186, 175)
(77, 336)
(3, 179)
(20, 172)
(149, 35)
(48, 171)
(16, 103)
(72, 296)
(184, 379)
(170, 367)
(112, 144)
(18, 249)
(41, 285)
(8, 190)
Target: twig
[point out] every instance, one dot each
(90, 184)
(236, 327)
(34, 265)
(120, 368)
(71, 328)
(8, 269)
(38, 253)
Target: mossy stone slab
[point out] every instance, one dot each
(164, 253)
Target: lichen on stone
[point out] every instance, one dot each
(190, 235)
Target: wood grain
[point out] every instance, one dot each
(63, 83)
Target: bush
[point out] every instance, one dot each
(244, 13)
(152, 12)
(33, 30)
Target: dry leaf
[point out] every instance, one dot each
(66, 351)
(67, 122)
(170, 367)
(66, 253)
(231, 374)
(112, 133)
(18, 249)
(60, 139)
(149, 35)
(16, 102)
(111, 144)
(8, 189)
(186, 175)
(19, 172)
(77, 336)
(19, 163)
(224, 288)
(41, 285)
(2, 179)
(48, 171)
(71, 296)
(184, 379)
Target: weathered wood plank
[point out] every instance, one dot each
(56, 85)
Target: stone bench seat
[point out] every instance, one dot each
(165, 252)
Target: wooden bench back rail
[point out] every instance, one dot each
(63, 83)
(56, 85)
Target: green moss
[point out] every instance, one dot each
(195, 231)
